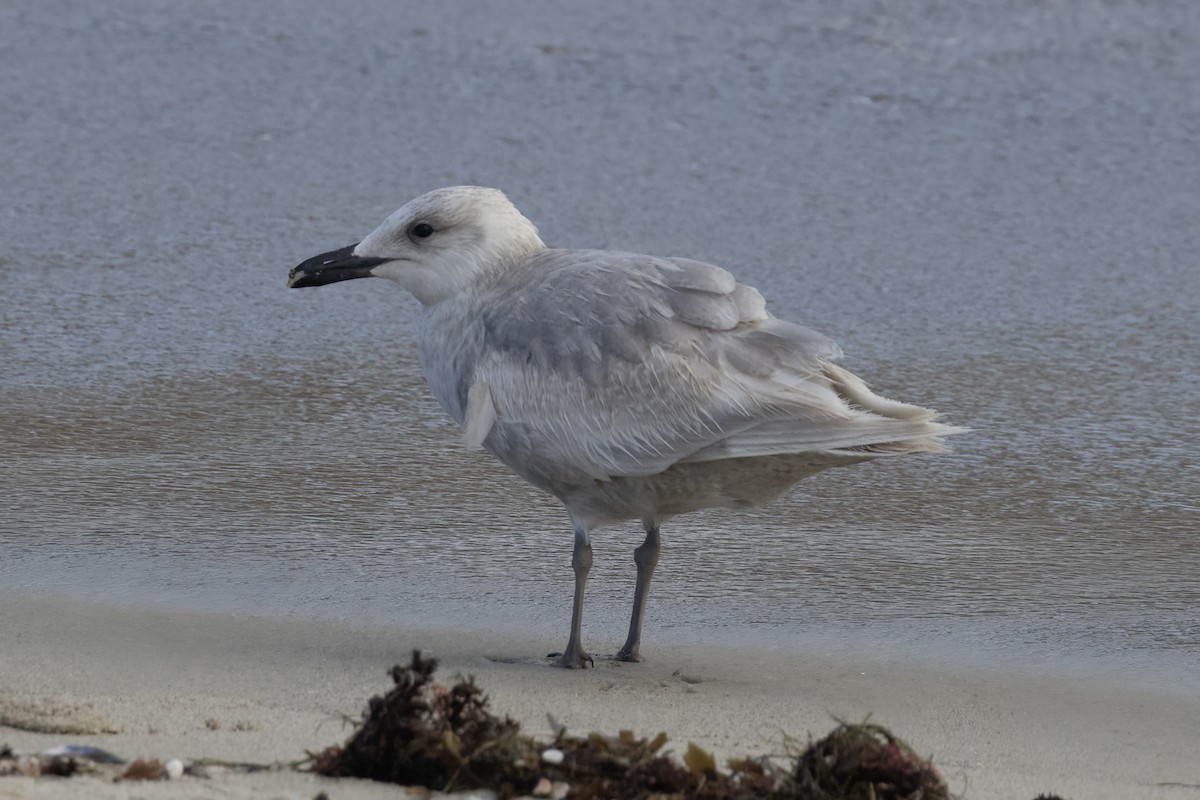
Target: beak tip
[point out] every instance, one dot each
(338, 265)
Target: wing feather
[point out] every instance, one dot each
(602, 364)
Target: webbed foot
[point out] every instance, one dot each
(573, 660)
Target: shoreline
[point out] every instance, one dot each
(249, 689)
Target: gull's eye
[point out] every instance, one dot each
(422, 230)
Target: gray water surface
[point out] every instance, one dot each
(992, 210)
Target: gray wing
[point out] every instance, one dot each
(601, 364)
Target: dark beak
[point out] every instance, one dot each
(339, 265)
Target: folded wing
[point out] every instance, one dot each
(602, 364)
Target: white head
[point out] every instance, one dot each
(435, 246)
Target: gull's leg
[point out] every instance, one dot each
(581, 562)
(646, 558)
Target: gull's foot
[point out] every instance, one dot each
(632, 656)
(569, 660)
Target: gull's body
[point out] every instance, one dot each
(628, 386)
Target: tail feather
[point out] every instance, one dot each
(860, 397)
(855, 391)
(872, 426)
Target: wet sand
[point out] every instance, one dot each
(264, 690)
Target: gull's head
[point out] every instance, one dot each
(435, 246)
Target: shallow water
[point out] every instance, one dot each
(993, 212)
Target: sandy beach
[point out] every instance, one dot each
(248, 689)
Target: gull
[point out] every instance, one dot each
(628, 386)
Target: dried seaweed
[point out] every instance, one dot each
(425, 734)
(630, 767)
(866, 762)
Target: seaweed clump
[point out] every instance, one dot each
(422, 733)
(426, 734)
(626, 766)
(865, 762)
